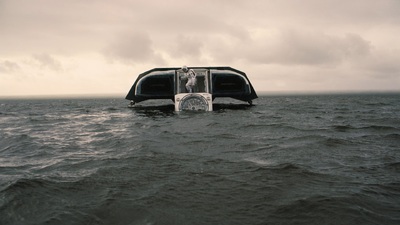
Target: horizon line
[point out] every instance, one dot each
(260, 93)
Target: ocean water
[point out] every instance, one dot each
(312, 159)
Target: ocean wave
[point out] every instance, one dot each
(390, 190)
(333, 142)
(394, 136)
(288, 160)
(346, 128)
(285, 168)
(342, 128)
(41, 201)
(25, 184)
(261, 162)
(341, 210)
(381, 128)
(395, 166)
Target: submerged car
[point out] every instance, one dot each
(192, 88)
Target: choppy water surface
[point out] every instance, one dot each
(329, 159)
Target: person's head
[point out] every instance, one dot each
(184, 68)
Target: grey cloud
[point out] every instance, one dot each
(70, 27)
(354, 45)
(185, 46)
(133, 48)
(286, 35)
(382, 63)
(7, 67)
(324, 14)
(291, 47)
(47, 61)
(294, 47)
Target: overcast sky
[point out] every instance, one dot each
(52, 47)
